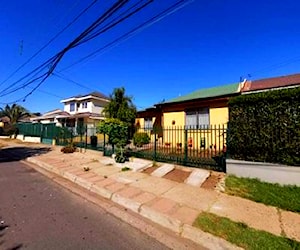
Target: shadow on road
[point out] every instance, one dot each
(21, 153)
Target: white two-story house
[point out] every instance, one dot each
(78, 110)
(85, 109)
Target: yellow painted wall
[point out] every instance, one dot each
(172, 134)
(140, 121)
(218, 116)
(178, 117)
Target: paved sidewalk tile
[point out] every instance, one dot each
(106, 170)
(124, 198)
(160, 218)
(84, 180)
(253, 214)
(163, 205)
(129, 192)
(96, 179)
(86, 174)
(193, 197)
(154, 185)
(186, 215)
(197, 177)
(105, 182)
(144, 197)
(76, 171)
(114, 187)
(129, 177)
(291, 224)
(100, 188)
(163, 170)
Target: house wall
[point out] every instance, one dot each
(94, 106)
(97, 106)
(140, 121)
(67, 108)
(169, 117)
(218, 116)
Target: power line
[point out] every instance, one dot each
(50, 41)
(276, 66)
(59, 75)
(173, 8)
(53, 61)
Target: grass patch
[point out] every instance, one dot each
(285, 197)
(242, 235)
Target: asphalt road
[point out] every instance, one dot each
(37, 213)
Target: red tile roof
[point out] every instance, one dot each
(271, 83)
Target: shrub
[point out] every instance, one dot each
(265, 127)
(71, 148)
(140, 139)
(116, 130)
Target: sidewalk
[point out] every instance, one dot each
(169, 203)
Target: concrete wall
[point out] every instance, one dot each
(32, 139)
(273, 173)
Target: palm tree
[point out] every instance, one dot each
(120, 107)
(14, 113)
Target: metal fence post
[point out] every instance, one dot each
(185, 146)
(103, 144)
(155, 145)
(86, 136)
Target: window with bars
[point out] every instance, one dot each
(195, 119)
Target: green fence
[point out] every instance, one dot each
(82, 136)
(189, 146)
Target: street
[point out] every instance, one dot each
(37, 213)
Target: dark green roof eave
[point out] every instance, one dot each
(220, 91)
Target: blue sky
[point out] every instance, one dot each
(207, 43)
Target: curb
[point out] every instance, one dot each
(184, 230)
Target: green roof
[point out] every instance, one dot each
(224, 90)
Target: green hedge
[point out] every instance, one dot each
(265, 126)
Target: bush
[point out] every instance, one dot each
(265, 127)
(140, 139)
(116, 130)
(71, 148)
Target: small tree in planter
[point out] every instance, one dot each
(117, 132)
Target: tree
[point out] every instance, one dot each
(120, 107)
(14, 113)
(116, 130)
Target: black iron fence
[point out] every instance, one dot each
(197, 147)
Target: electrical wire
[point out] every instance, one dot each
(50, 41)
(87, 34)
(172, 9)
(59, 75)
(53, 61)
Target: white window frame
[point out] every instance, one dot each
(72, 106)
(84, 105)
(197, 118)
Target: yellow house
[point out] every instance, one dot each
(198, 119)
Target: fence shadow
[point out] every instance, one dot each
(21, 153)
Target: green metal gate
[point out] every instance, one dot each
(49, 132)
